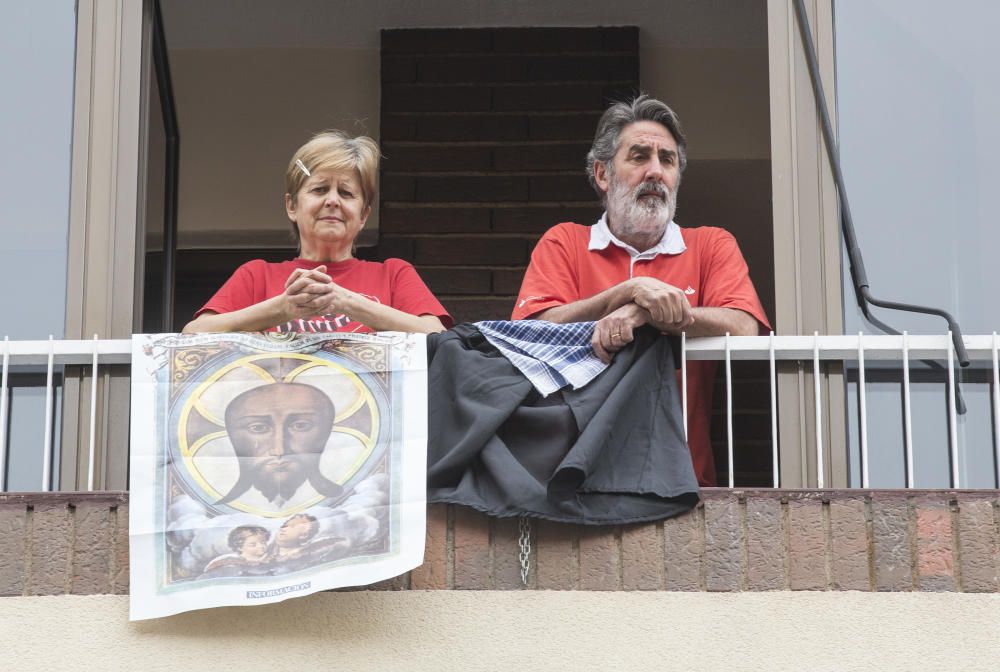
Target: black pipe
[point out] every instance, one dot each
(862, 290)
(164, 84)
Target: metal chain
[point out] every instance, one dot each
(525, 543)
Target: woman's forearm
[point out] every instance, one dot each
(379, 317)
(258, 317)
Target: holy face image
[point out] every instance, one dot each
(278, 432)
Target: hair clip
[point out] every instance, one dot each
(302, 166)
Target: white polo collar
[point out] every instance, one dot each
(672, 241)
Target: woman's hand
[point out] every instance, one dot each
(308, 293)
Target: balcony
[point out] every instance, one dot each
(738, 539)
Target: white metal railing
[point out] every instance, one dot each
(727, 349)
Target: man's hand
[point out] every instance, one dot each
(668, 307)
(614, 331)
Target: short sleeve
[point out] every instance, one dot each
(726, 279)
(239, 291)
(411, 295)
(552, 276)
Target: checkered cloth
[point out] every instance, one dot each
(550, 355)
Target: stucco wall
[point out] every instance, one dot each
(492, 630)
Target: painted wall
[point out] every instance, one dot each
(487, 630)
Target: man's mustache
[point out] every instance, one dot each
(647, 188)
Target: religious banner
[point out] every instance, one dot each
(268, 466)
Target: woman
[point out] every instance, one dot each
(330, 186)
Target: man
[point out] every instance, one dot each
(635, 266)
(279, 432)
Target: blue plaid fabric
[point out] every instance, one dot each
(551, 356)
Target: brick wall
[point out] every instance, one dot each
(484, 133)
(740, 540)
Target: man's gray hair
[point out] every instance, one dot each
(620, 115)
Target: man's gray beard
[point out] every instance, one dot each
(633, 216)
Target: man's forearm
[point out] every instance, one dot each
(709, 321)
(589, 309)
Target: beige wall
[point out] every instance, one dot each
(720, 95)
(242, 112)
(513, 630)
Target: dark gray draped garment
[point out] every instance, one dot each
(611, 452)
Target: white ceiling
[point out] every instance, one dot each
(355, 24)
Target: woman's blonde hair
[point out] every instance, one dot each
(334, 150)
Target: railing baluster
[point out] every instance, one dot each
(996, 409)
(774, 413)
(819, 413)
(93, 418)
(49, 403)
(729, 411)
(3, 414)
(952, 416)
(864, 410)
(908, 428)
(684, 382)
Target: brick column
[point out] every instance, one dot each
(484, 133)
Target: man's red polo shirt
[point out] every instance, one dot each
(711, 271)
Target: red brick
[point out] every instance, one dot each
(400, 188)
(642, 557)
(479, 69)
(457, 280)
(506, 555)
(723, 544)
(849, 563)
(935, 550)
(891, 539)
(471, 188)
(472, 549)
(540, 218)
(620, 38)
(600, 559)
(545, 156)
(507, 281)
(390, 245)
(460, 251)
(806, 545)
(684, 550)
(401, 582)
(120, 579)
(13, 522)
(409, 219)
(474, 127)
(433, 573)
(574, 126)
(547, 97)
(977, 535)
(92, 549)
(399, 69)
(50, 548)
(436, 158)
(570, 67)
(520, 40)
(423, 98)
(474, 310)
(765, 544)
(398, 127)
(436, 40)
(556, 554)
(573, 187)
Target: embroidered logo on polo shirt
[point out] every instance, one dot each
(689, 291)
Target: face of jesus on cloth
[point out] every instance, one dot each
(278, 432)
